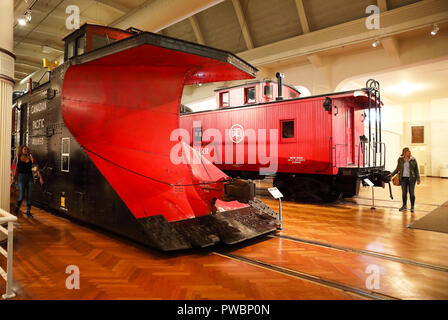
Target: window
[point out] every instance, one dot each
(224, 99)
(288, 130)
(197, 134)
(292, 95)
(268, 90)
(249, 95)
(80, 45)
(70, 49)
(349, 120)
(65, 154)
(99, 41)
(418, 134)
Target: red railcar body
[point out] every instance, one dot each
(103, 123)
(309, 141)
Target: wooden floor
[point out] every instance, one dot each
(413, 264)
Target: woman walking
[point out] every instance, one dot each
(24, 177)
(407, 169)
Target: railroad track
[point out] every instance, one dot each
(375, 254)
(308, 277)
(361, 292)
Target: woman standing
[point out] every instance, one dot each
(408, 174)
(24, 177)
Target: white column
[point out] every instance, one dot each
(6, 87)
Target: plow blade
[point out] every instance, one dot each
(229, 227)
(121, 103)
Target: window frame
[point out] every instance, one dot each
(77, 40)
(65, 154)
(271, 91)
(221, 94)
(246, 95)
(194, 130)
(293, 139)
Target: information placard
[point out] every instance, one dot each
(275, 193)
(369, 183)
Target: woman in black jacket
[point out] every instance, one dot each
(407, 169)
(24, 177)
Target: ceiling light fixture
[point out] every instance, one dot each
(28, 15)
(376, 43)
(435, 29)
(22, 21)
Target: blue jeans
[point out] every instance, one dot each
(25, 184)
(408, 185)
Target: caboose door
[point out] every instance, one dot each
(350, 112)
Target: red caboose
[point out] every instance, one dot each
(315, 146)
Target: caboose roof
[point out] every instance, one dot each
(359, 96)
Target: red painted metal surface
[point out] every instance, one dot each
(237, 95)
(122, 108)
(322, 140)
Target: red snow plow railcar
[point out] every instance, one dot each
(100, 129)
(319, 147)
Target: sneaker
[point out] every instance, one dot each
(403, 208)
(412, 209)
(29, 214)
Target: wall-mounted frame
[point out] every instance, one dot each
(417, 134)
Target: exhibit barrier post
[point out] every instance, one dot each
(276, 194)
(8, 218)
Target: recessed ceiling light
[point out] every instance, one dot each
(376, 43)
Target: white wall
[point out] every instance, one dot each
(433, 115)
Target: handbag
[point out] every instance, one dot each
(396, 180)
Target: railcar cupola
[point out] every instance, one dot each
(90, 37)
(254, 92)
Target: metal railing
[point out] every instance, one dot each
(6, 217)
(361, 152)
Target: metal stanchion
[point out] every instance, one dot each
(370, 184)
(278, 195)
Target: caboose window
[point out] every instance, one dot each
(268, 90)
(349, 121)
(224, 99)
(249, 95)
(287, 129)
(197, 134)
(292, 95)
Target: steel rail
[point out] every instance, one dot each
(375, 254)
(309, 277)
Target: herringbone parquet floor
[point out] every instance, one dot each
(114, 268)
